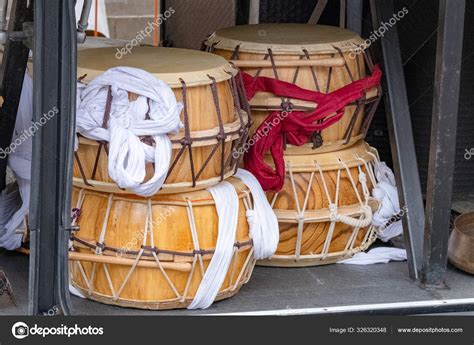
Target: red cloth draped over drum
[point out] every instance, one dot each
(296, 126)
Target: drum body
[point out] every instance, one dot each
(152, 253)
(215, 123)
(314, 57)
(324, 209)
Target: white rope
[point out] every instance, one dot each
(227, 205)
(263, 222)
(19, 161)
(353, 222)
(127, 154)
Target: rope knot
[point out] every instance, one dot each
(362, 177)
(186, 141)
(287, 106)
(332, 212)
(76, 213)
(99, 248)
(221, 136)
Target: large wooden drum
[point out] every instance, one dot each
(215, 124)
(325, 209)
(314, 57)
(152, 253)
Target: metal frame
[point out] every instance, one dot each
(401, 137)
(443, 141)
(15, 59)
(395, 308)
(254, 12)
(354, 15)
(50, 215)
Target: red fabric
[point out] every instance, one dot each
(297, 126)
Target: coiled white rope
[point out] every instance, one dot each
(227, 204)
(365, 221)
(263, 222)
(127, 154)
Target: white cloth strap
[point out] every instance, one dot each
(263, 222)
(263, 228)
(127, 154)
(227, 204)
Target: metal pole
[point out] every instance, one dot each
(401, 137)
(443, 141)
(50, 209)
(3, 14)
(318, 11)
(354, 16)
(254, 12)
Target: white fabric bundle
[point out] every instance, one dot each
(380, 255)
(127, 154)
(19, 161)
(263, 227)
(386, 192)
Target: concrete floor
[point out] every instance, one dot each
(275, 288)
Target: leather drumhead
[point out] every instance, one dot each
(285, 38)
(168, 64)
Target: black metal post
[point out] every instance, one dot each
(50, 208)
(354, 16)
(443, 141)
(15, 59)
(401, 137)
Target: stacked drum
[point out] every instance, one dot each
(154, 251)
(313, 93)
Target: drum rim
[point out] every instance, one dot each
(222, 71)
(306, 260)
(352, 156)
(217, 41)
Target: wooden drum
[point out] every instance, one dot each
(215, 124)
(314, 57)
(152, 253)
(324, 209)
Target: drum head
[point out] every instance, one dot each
(285, 39)
(168, 64)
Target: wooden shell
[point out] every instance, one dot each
(176, 66)
(174, 281)
(304, 200)
(297, 42)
